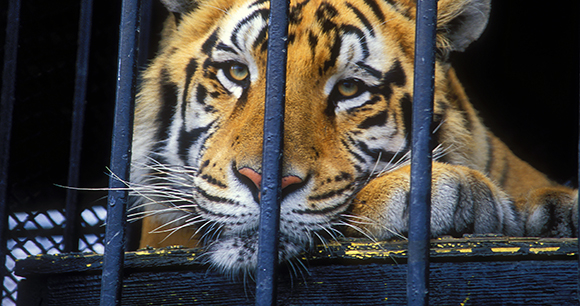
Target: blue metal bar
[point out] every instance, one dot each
(420, 200)
(71, 229)
(145, 8)
(266, 276)
(111, 281)
(6, 109)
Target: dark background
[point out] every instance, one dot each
(522, 75)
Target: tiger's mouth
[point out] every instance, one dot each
(233, 247)
(224, 221)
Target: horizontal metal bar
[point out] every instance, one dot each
(420, 193)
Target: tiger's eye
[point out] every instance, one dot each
(239, 72)
(347, 88)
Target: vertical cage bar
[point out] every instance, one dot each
(111, 281)
(145, 8)
(6, 108)
(266, 276)
(420, 200)
(71, 229)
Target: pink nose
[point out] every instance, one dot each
(257, 178)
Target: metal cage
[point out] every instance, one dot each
(74, 227)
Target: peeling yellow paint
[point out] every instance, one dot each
(366, 254)
(449, 250)
(544, 249)
(505, 250)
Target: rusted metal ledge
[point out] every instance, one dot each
(468, 271)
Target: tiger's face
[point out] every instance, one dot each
(197, 157)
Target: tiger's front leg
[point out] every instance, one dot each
(463, 201)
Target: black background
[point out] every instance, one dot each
(522, 75)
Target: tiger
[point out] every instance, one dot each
(197, 147)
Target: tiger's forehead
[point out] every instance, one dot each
(327, 36)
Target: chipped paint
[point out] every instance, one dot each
(362, 254)
(544, 249)
(505, 250)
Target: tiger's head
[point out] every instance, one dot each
(197, 150)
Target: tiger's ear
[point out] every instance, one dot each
(179, 6)
(176, 8)
(460, 22)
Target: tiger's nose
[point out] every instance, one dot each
(256, 178)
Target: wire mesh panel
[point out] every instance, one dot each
(41, 232)
(43, 81)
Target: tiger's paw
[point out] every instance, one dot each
(550, 212)
(463, 201)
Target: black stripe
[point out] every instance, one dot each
(291, 38)
(372, 71)
(312, 42)
(189, 72)
(407, 109)
(324, 196)
(362, 18)
(186, 139)
(334, 53)
(169, 91)
(463, 212)
(396, 75)
(263, 13)
(380, 154)
(376, 120)
(213, 199)
(356, 155)
(504, 172)
(200, 95)
(224, 47)
(370, 102)
(261, 39)
(326, 12)
(362, 39)
(258, 2)
(212, 180)
(295, 13)
(375, 8)
(209, 43)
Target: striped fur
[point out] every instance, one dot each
(198, 132)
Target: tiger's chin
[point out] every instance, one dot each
(238, 254)
(231, 252)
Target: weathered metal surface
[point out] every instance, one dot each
(468, 271)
